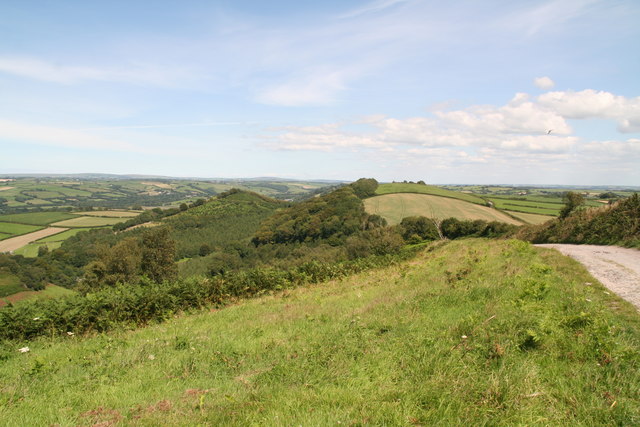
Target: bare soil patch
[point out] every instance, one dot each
(615, 267)
(17, 242)
(6, 188)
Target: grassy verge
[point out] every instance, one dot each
(474, 332)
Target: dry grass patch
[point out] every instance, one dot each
(394, 207)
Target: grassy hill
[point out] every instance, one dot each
(394, 207)
(474, 332)
(229, 218)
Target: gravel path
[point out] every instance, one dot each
(616, 268)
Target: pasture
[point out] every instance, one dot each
(50, 291)
(394, 207)
(36, 218)
(17, 229)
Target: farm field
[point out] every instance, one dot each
(17, 229)
(36, 218)
(531, 218)
(394, 207)
(14, 243)
(89, 221)
(31, 250)
(50, 291)
(428, 189)
(472, 332)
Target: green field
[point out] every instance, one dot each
(88, 221)
(17, 229)
(9, 283)
(471, 333)
(36, 218)
(51, 291)
(531, 218)
(428, 189)
(31, 250)
(394, 207)
(62, 236)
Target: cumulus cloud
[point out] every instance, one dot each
(590, 103)
(544, 83)
(526, 131)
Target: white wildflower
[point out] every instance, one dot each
(24, 350)
(70, 334)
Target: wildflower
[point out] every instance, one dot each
(23, 350)
(70, 334)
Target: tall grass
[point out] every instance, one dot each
(472, 332)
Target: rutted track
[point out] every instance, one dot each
(615, 267)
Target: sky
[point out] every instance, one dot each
(457, 92)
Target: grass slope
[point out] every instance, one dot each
(474, 332)
(394, 207)
(428, 189)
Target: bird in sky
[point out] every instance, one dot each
(549, 131)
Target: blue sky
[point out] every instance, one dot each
(527, 92)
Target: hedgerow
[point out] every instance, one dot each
(126, 305)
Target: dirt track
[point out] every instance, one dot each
(616, 268)
(17, 242)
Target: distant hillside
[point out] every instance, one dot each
(232, 216)
(399, 187)
(614, 224)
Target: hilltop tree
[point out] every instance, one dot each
(365, 187)
(158, 253)
(572, 200)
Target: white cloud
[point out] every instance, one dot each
(526, 133)
(544, 83)
(590, 103)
